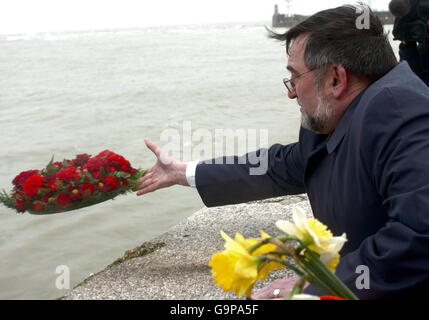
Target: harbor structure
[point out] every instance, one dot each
(289, 19)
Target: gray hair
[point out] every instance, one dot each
(335, 39)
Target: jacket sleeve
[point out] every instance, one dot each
(262, 174)
(395, 148)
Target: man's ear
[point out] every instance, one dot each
(339, 81)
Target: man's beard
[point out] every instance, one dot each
(319, 121)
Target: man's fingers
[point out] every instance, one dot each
(153, 147)
(146, 176)
(145, 184)
(264, 293)
(282, 285)
(152, 187)
(162, 156)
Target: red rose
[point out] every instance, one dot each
(95, 163)
(87, 189)
(95, 174)
(119, 162)
(32, 184)
(104, 153)
(115, 160)
(20, 178)
(20, 205)
(54, 185)
(63, 201)
(48, 178)
(125, 168)
(111, 182)
(81, 159)
(68, 174)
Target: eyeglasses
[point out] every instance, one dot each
(290, 83)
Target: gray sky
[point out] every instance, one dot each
(26, 16)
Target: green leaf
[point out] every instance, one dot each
(121, 174)
(65, 163)
(140, 173)
(41, 192)
(7, 200)
(50, 168)
(102, 173)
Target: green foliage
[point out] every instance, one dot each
(134, 182)
(7, 200)
(50, 168)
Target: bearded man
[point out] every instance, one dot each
(362, 155)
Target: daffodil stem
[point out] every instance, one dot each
(323, 277)
(258, 245)
(280, 253)
(336, 284)
(313, 271)
(286, 264)
(282, 238)
(316, 281)
(320, 278)
(285, 237)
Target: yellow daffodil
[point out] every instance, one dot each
(266, 267)
(236, 269)
(316, 236)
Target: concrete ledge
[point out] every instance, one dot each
(175, 264)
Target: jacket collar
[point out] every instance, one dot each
(394, 77)
(337, 136)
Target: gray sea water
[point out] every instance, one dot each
(67, 93)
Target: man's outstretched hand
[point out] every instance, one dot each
(166, 172)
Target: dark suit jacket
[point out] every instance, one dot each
(369, 179)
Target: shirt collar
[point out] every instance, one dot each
(337, 136)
